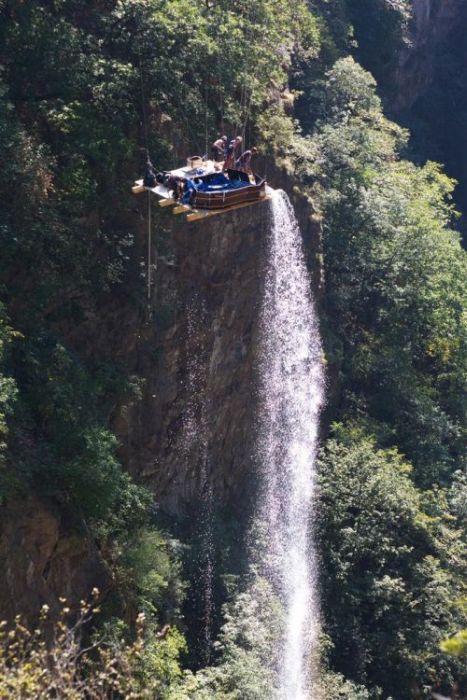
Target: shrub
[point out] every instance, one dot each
(54, 660)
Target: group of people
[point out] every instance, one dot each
(174, 183)
(224, 154)
(224, 151)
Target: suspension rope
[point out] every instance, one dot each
(143, 102)
(149, 207)
(221, 95)
(149, 275)
(246, 94)
(206, 122)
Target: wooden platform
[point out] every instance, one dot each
(192, 214)
(197, 214)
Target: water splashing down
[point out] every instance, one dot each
(194, 451)
(291, 390)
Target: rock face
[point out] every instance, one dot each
(431, 89)
(191, 430)
(42, 558)
(433, 21)
(186, 433)
(191, 434)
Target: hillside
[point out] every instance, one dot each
(254, 475)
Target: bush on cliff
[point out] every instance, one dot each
(51, 661)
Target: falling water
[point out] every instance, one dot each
(291, 389)
(193, 453)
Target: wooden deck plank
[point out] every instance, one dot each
(198, 214)
(193, 214)
(181, 209)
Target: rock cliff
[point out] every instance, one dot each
(433, 23)
(186, 432)
(429, 89)
(196, 357)
(44, 556)
(192, 429)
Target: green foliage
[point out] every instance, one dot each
(390, 568)
(247, 644)
(212, 63)
(456, 645)
(50, 661)
(148, 573)
(349, 92)
(59, 403)
(381, 28)
(333, 686)
(395, 277)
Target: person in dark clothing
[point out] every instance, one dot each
(218, 149)
(244, 162)
(230, 152)
(149, 179)
(176, 184)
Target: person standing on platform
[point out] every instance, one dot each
(149, 179)
(244, 162)
(230, 154)
(218, 149)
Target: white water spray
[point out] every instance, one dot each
(193, 450)
(291, 391)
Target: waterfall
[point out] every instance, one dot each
(290, 396)
(194, 452)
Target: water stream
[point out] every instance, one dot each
(194, 451)
(290, 396)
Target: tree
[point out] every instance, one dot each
(395, 278)
(389, 569)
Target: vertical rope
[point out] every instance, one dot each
(143, 102)
(145, 131)
(149, 246)
(206, 123)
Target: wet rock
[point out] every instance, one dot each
(432, 23)
(42, 558)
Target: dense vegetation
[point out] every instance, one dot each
(84, 87)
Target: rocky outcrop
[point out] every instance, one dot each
(186, 430)
(430, 96)
(191, 434)
(43, 557)
(191, 430)
(198, 339)
(433, 21)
